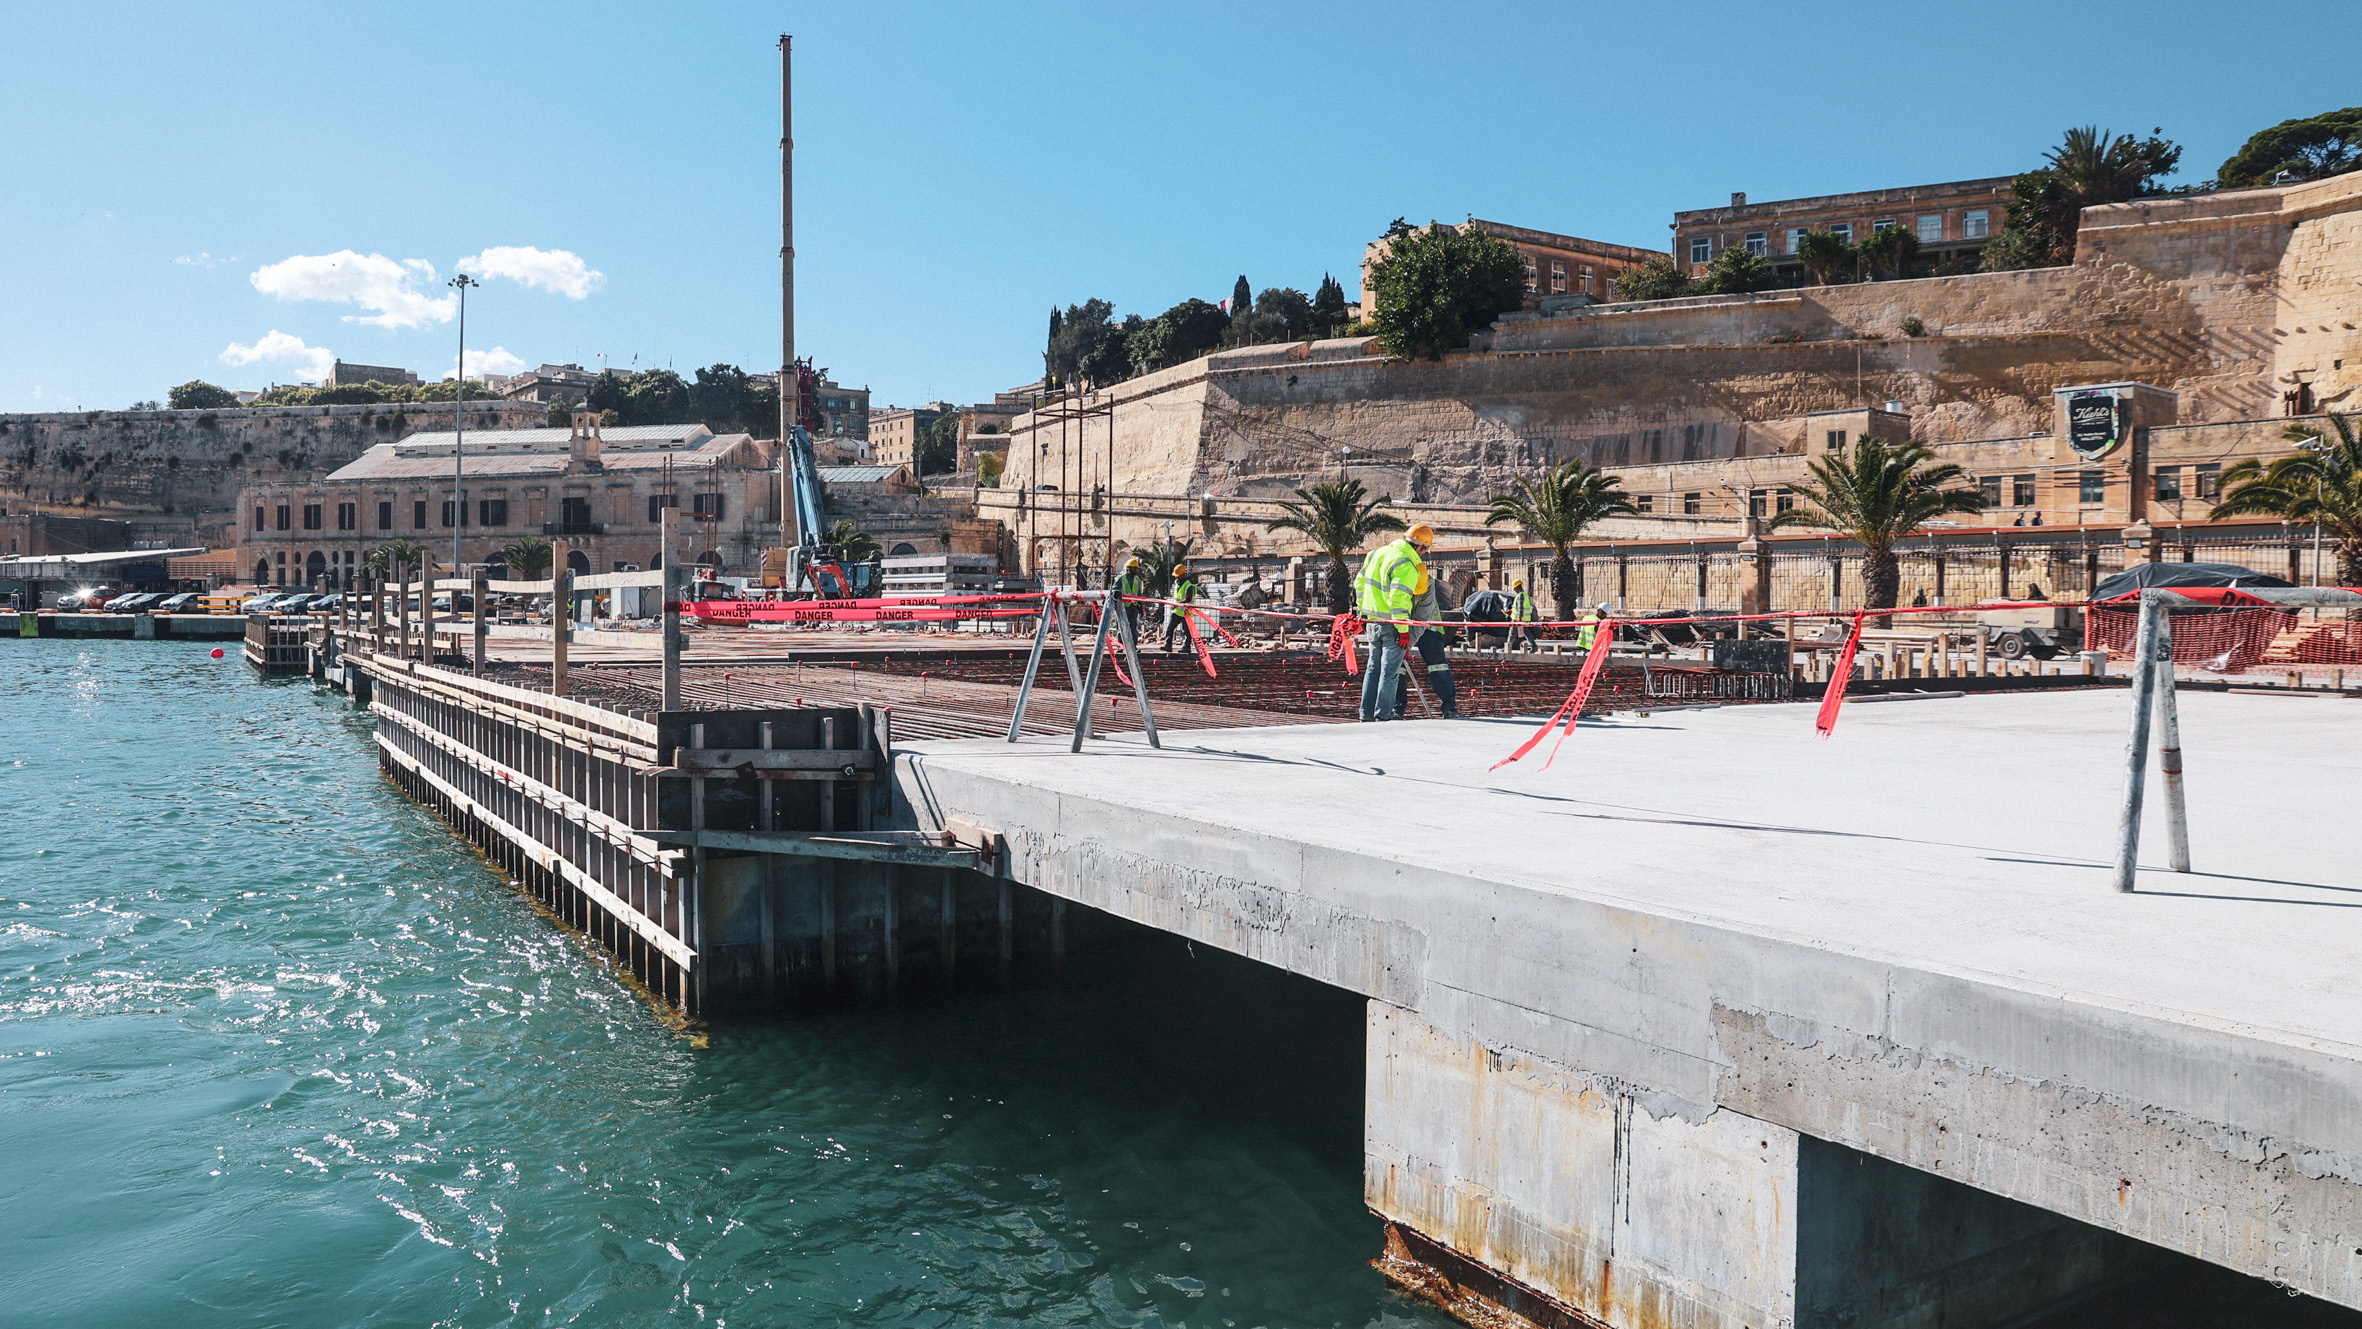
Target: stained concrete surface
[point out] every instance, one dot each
(1901, 939)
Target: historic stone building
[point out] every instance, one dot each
(602, 491)
(1555, 265)
(1952, 222)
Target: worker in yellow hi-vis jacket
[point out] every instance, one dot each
(1385, 593)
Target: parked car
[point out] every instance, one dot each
(276, 602)
(187, 602)
(138, 602)
(329, 603)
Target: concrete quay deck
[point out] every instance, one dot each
(1717, 1023)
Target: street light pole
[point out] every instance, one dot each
(459, 283)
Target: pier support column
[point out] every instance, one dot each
(1511, 1185)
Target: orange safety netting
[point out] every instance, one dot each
(2238, 640)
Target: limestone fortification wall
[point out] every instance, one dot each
(2230, 300)
(175, 475)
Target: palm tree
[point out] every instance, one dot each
(1825, 256)
(854, 544)
(1339, 517)
(1569, 497)
(527, 559)
(1881, 494)
(2320, 484)
(399, 559)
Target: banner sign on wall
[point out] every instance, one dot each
(2096, 423)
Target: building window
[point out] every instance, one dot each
(1758, 502)
(311, 516)
(1931, 228)
(1843, 231)
(385, 515)
(1786, 501)
(1795, 238)
(1990, 487)
(418, 514)
(657, 503)
(258, 519)
(2092, 487)
(1975, 225)
(1836, 439)
(447, 514)
(1759, 244)
(2021, 491)
(1883, 224)
(1532, 283)
(1692, 503)
(284, 518)
(574, 516)
(2169, 484)
(492, 512)
(348, 516)
(1587, 276)
(1701, 249)
(1644, 503)
(1557, 277)
(2209, 480)
(708, 507)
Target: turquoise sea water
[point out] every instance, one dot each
(276, 1049)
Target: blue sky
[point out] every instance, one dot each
(187, 181)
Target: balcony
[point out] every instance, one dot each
(573, 528)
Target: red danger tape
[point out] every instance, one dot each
(940, 610)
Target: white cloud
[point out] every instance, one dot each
(389, 289)
(556, 270)
(203, 260)
(479, 363)
(312, 362)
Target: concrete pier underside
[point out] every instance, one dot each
(1717, 1024)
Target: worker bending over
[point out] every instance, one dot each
(1428, 635)
(1385, 592)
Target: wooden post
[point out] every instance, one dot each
(669, 540)
(1982, 667)
(402, 615)
(561, 605)
(480, 587)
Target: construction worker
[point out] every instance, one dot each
(1184, 593)
(1521, 611)
(1385, 593)
(1589, 632)
(1427, 634)
(1132, 584)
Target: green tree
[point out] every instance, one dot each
(560, 415)
(1554, 510)
(1184, 332)
(1049, 344)
(199, 395)
(1110, 361)
(2309, 149)
(527, 559)
(1080, 333)
(719, 398)
(1328, 307)
(1737, 271)
(1658, 279)
(1436, 286)
(2320, 483)
(854, 544)
(1157, 565)
(1338, 516)
(1826, 257)
(2090, 167)
(1888, 252)
(938, 451)
(989, 466)
(399, 559)
(1242, 296)
(1880, 494)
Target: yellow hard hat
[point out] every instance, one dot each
(1180, 567)
(1422, 534)
(1132, 562)
(1518, 584)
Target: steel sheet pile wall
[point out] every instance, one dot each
(559, 795)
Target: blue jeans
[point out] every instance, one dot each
(1380, 674)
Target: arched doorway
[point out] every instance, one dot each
(655, 561)
(711, 561)
(315, 568)
(578, 562)
(262, 572)
(901, 549)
